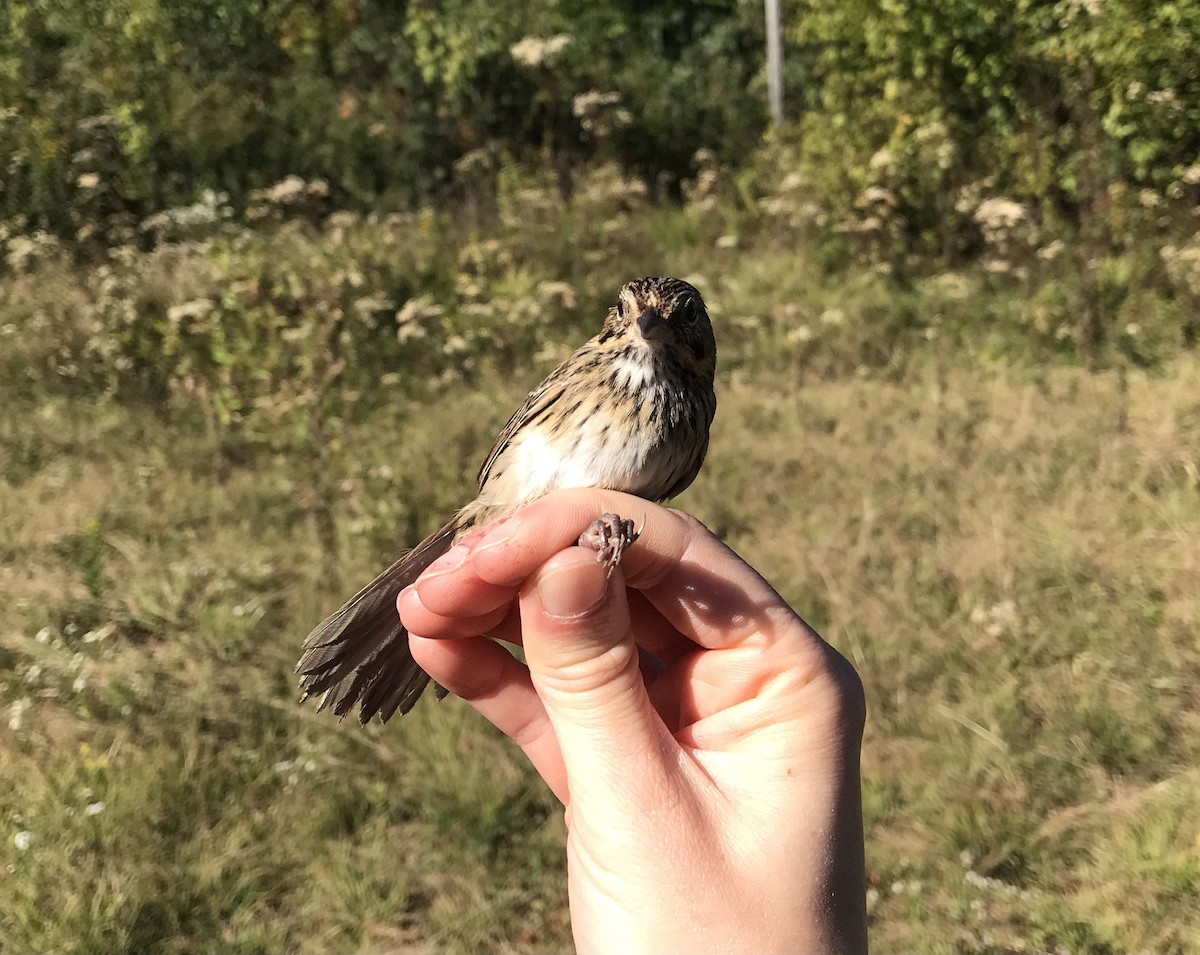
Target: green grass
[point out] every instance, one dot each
(1006, 548)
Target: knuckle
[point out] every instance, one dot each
(587, 670)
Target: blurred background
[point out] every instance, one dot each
(273, 273)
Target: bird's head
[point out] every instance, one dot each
(666, 313)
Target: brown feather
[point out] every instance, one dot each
(365, 638)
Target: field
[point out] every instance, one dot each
(1006, 545)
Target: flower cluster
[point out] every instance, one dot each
(600, 113)
(186, 222)
(533, 51)
(1182, 263)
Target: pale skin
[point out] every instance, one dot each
(711, 782)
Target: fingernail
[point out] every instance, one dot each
(454, 558)
(572, 591)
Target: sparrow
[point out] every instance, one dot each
(629, 410)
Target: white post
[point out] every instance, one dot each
(774, 63)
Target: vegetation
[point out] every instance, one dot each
(267, 289)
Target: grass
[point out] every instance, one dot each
(1007, 550)
(1014, 576)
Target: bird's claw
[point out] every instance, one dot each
(609, 535)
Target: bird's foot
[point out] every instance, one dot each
(608, 536)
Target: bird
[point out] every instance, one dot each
(630, 410)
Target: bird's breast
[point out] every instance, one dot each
(539, 461)
(622, 441)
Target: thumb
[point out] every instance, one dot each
(584, 664)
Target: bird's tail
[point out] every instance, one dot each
(360, 654)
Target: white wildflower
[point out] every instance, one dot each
(1000, 213)
(210, 208)
(1072, 8)
(591, 102)
(596, 114)
(882, 159)
(703, 190)
(944, 153)
(539, 51)
(1167, 98)
(94, 808)
(863, 226)
(455, 345)
(16, 713)
(286, 191)
(193, 311)
(1004, 223)
(1051, 251)
(930, 131)
(563, 293)
(415, 315)
(774, 206)
(369, 305)
(988, 883)
(877, 195)
(472, 161)
(23, 840)
(1183, 266)
(25, 251)
(792, 181)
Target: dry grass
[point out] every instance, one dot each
(1011, 564)
(1008, 553)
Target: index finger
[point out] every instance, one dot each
(700, 586)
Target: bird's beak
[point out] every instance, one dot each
(651, 323)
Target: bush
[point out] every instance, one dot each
(111, 112)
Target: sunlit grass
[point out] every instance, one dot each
(1006, 548)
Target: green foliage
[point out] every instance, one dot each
(132, 107)
(954, 130)
(932, 107)
(112, 112)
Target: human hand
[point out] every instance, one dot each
(711, 782)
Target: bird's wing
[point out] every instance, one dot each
(688, 476)
(535, 407)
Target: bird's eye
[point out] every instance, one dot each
(688, 313)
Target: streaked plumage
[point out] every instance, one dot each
(629, 411)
